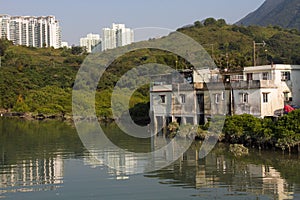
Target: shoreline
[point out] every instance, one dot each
(42, 117)
(69, 119)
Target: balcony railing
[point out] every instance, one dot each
(254, 84)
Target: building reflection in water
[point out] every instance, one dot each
(214, 171)
(115, 160)
(218, 171)
(32, 175)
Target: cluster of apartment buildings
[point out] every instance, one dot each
(32, 31)
(261, 91)
(45, 31)
(116, 36)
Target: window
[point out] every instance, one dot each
(217, 98)
(163, 98)
(182, 98)
(189, 79)
(285, 76)
(265, 97)
(223, 95)
(265, 76)
(249, 76)
(286, 96)
(244, 97)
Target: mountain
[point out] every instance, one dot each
(285, 13)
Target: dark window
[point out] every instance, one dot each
(265, 97)
(285, 76)
(286, 96)
(265, 76)
(244, 97)
(163, 98)
(182, 97)
(249, 76)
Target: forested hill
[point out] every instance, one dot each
(234, 43)
(41, 80)
(285, 13)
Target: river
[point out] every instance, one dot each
(47, 160)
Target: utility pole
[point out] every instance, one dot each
(254, 50)
(227, 60)
(212, 51)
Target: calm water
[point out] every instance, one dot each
(46, 160)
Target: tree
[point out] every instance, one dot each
(20, 105)
(198, 24)
(288, 131)
(221, 22)
(76, 50)
(210, 21)
(4, 44)
(241, 128)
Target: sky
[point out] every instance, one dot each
(78, 18)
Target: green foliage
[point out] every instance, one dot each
(173, 127)
(232, 46)
(77, 50)
(246, 129)
(241, 128)
(50, 100)
(4, 44)
(198, 24)
(210, 21)
(140, 113)
(288, 130)
(238, 150)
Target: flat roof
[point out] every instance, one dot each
(271, 67)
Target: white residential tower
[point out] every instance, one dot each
(90, 41)
(31, 31)
(116, 36)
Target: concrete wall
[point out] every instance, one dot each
(253, 106)
(275, 101)
(295, 77)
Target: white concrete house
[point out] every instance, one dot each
(266, 89)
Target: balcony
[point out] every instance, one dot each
(253, 84)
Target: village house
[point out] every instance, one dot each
(261, 91)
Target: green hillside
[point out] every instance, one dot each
(40, 81)
(234, 43)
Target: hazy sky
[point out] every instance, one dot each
(78, 18)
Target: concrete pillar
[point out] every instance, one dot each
(195, 120)
(173, 118)
(183, 120)
(164, 125)
(155, 124)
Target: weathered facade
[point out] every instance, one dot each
(265, 90)
(260, 91)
